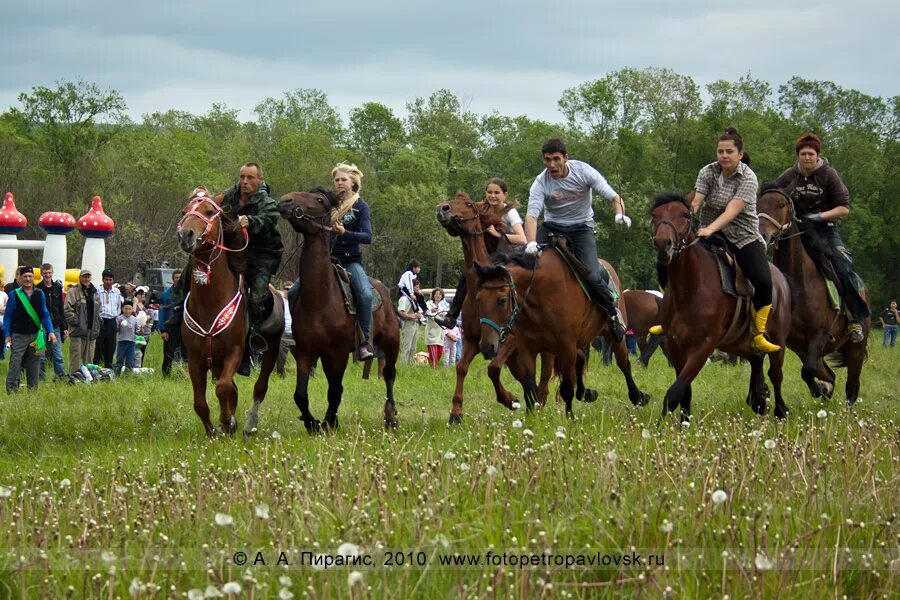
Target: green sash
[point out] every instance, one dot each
(40, 343)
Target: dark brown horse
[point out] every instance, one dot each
(698, 316)
(817, 330)
(643, 313)
(322, 327)
(215, 320)
(540, 301)
(462, 218)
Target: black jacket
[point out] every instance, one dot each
(264, 247)
(54, 295)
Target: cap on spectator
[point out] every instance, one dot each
(127, 303)
(84, 272)
(142, 289)
(23, 269)
(108, 273)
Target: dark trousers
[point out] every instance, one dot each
(583, 243)
(459, 296)
(21, 357)
(752, 260)
(172, 350)
(256, 279)
(105, 350)
(826, 242)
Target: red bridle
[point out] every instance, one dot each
(216, 247)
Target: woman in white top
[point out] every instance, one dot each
(434, 333)
(494, 193)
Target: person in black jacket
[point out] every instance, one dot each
(53, 293)
(20, 330)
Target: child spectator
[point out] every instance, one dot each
(126, 327)
(450, 338)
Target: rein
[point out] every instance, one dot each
(298, 213)
(216, 247)
(516, 306)
(783, 228)
(681, 237)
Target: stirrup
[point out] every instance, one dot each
(855, 331)
(656, 330)
(257, 344)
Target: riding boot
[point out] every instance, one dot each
(601, 294)
(448, 321)
(855, 331)
(365, 350)
(759, 338)
(246, 364)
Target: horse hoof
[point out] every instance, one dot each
(640, 399)
(313, 427)
(248, 433)
(455, 419)
(590, 395)
(391, 424)
(330, 425)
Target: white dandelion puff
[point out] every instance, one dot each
(449, 455)
(719, 496)
(223, 520)
(491, 471)
(762, 562)
(107, 556)
(560, 434)
(516, 406)
(354, 578)
(195, 594)
(63, 484)
(517, 424)
(5, 492)
(667, 526)
(212, 592)
(232, 587)
(528, 433)
(276, 435)
(645, 433)
(822, 413)
(285, 581)
(262, 511)
(611, 456)
(178, 478)
(285, 594)
(463, 467)
(769, 444)
(348, 549)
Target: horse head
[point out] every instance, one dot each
(670, 225)
(460, 216)
(491, 213)
(776, 212)
(200, 225)
(497, 304)
(309, 212)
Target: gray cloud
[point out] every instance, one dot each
(513, 57)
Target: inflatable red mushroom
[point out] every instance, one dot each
(57, 223)
(11, 220)
(96, 224)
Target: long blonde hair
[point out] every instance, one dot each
(349, 198)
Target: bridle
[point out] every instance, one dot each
(682, 238)
(215, 247)
(516, 310)
(783, 228)
(320, 222)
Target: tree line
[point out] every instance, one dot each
(646, 130)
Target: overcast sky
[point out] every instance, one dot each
(515, 57)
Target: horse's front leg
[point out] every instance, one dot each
(227, 391)
(301, 392)
(635, 394)
(470, 349)
(197, 371)
(261, 387)
(334, 368)
(504, 396)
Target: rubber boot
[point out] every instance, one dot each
(759, 339)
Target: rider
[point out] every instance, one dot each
(249, 202)
(563, 192)
(729, 187)
(352, 226)
(494, 193)
(820, 200)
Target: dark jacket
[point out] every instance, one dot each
(82, 321)
(17, 320)
(171, 298)
(54, 294)
(265, 247)
(358, 225)
(820, 191)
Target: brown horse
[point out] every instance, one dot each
(462, 218)
(540, 301)
(215, 320)
(643, 313)
(698, 316)
(322, 327)
(817, 330)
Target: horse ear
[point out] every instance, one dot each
(483, 272)
(461, 195)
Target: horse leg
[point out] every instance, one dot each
(855, 359)
(504, 396)
(581, 367)
(544, 383)
(261, 387)
(776, 376)
(568, 374)
(334, 368)
(470, 349)
(635, 395)
(227, 393)
(687, 366)
(390, 409)
(826, 378)
(198, 383)
(301, 393)
(650, 347)
(811, 368)
(756, 397)
(388, 341)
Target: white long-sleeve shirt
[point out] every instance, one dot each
(567, 201)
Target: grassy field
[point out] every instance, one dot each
(112, 490)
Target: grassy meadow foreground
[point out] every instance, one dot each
(112, 490)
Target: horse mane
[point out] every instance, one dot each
(663, 198)
(769, 186)
(519, 257)
(333, 199)
(233, 238)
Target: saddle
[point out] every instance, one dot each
(581, 272)
(273, 313)
(343, 279)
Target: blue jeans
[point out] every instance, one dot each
(56, 355)
(363, 293)
(124, 356)
(890, 333)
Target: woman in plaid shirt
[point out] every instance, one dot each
(726, 189)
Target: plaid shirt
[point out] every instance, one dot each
(744, 229)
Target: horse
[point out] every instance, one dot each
(462, 218)
(698, 316)
(817, 330)
(215, 322)
(643, 312)
(322, 326)
(540, 301)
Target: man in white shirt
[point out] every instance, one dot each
(563, 192)
(110, 308)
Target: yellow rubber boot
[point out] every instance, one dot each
(656, 330)
(759, 340)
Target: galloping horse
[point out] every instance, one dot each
(215, 321)
(322, 327)
(698, 316)
(643, 312)
(462, 218)
(817, 329)
(540, 301)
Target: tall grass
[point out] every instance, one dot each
(112, 490)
